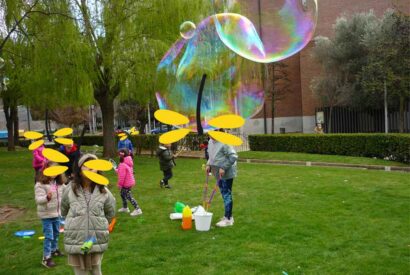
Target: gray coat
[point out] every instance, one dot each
(84, 221)
(222, 156)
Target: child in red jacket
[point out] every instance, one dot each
(126, 181)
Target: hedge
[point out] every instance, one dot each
(393, 146)
(146, 142)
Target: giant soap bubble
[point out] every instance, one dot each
(232, 86)
(266, 30)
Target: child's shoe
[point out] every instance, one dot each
(48, 262)
(57, 253)
(127, 210)
(161, 183)
(224, 222)
(167, 186)
(136, 212)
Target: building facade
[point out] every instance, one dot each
(295, 112)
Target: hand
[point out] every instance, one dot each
(208, 168)
(49, 194)
(221, 172)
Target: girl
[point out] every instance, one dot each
(88, 208)
(126, 181)
(48, 192)
(38, 161)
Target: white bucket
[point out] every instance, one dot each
(203, 221)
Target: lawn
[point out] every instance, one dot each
(298, 220)
(289, 156)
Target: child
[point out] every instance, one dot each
(88, 208)
(126, 181)
(166, 162)
(72, 152)
(38, 161)
(205, 147)
(48, 193)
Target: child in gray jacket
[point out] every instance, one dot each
(48, 192)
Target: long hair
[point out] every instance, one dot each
(43, 179)
(78, 180)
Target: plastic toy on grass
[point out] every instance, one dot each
(179, 207)
(25, 233)
(186, 218)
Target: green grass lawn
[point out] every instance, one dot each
(301, 220)
(288, 156)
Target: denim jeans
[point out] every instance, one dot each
(51, 231)
(226, 191)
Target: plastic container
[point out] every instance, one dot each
(186, 218)
(203, 221)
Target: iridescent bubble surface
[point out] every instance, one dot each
(187, 29)
(232, 86)
(266, 30)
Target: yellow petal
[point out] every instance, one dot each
(97, 178)
(99, 164)
(123, 137)
(54, 171)
(36, 144)
(121, 134)
(173, 136)
(135, 133)
(65, 141)
(54, 155)
(32, 135)
(132, 129)
(63, 132)
(170, 117)
(227, 121)
(225, 138)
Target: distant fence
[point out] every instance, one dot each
(350, 120)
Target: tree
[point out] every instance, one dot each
(127, 40)
(277, 85)
(388, 60)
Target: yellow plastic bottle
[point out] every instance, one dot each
(186, 218)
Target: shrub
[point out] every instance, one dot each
(392, 146)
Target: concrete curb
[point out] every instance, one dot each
(310, 163)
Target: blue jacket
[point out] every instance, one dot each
(125, 144)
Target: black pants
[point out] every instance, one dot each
(167, 175)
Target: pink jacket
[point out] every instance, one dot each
(38, 158)
(125, 173)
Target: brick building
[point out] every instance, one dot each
(296, 111)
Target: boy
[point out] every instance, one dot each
(166, 162)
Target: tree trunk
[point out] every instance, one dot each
(9, 114)
(107, 109)
(329, 128)
(401, 115)
(273, 114)
(16, 126)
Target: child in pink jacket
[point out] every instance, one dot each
(126, 181)
(38, 161)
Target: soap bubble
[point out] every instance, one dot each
(266, 31)
(232, 86)
(187, 29)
